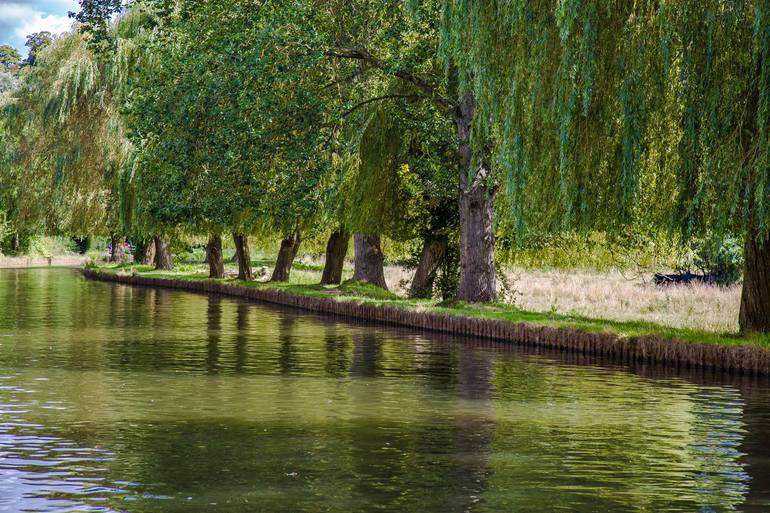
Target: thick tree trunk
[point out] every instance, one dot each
(163, 258)
(476, 203)
(336, 249)
(433, 251)
(118, 249)
(214, 256)
(244, 258)
(755, 296)
(149, 253)
(369, 260)
(288, 251)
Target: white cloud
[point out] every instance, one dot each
(19, 19)
(39, 22)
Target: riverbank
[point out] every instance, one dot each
(57, 261)
(627, 341)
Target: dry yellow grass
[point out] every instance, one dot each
(604, 295)
(610, 295)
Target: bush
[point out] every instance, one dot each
(721, 256)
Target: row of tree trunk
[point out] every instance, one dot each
(156, 251)
(369, 260)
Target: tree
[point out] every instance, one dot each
(609, 115)
(9, 56)
(35, 43)
(408, 39)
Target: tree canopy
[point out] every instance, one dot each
(302, 116)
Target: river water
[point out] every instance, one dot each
(127, 399)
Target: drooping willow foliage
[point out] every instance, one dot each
(73, 164)
(604, 113)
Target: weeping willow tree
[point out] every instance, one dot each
(74, 157)
(65, 120)
(602, 114)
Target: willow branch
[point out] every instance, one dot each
(427, 89)
(376, 99)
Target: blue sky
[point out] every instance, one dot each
(18, 18)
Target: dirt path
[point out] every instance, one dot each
(60, 261)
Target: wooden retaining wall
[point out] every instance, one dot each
(737, 359)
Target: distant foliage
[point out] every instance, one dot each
(8, 82)
(721, 256)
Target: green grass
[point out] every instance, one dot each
(306, 284)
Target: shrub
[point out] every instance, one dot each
(721, 256)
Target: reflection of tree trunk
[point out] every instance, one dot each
(756, 450)
(369, 260)
(476, 202)
(242, 337)
(287, 359)
(755, 296)
(215, 259)
(118, 252)
(149, 253)
(336, 249)
(336, 351)
(474, 432)
(244, 258)
(367, 353)
(433, 251)
(163, 258)
(214, 326)
(289, 248)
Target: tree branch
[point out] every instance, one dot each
(378, 98)
(364, 56)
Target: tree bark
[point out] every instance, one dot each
(15, 244)
(118, 249)
(369, 260)
(149, 253)
(754, 315)
(476, 203)
(244, 258)
(433, 251)
(215, 260)
(336, 249)
(163, 257)
(288, 251)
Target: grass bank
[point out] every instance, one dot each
(623, 339)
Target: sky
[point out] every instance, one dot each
(19, 18)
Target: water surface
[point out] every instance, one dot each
(127, 399)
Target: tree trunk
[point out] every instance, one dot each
(149, 253)
(15, 244)
(244, 258)
(289, 247)
(336, 249)
(433, 251)
(369, 260)
(118, 250)
(476, 202)
(754, 315)
(215, 260)
(163, 258)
